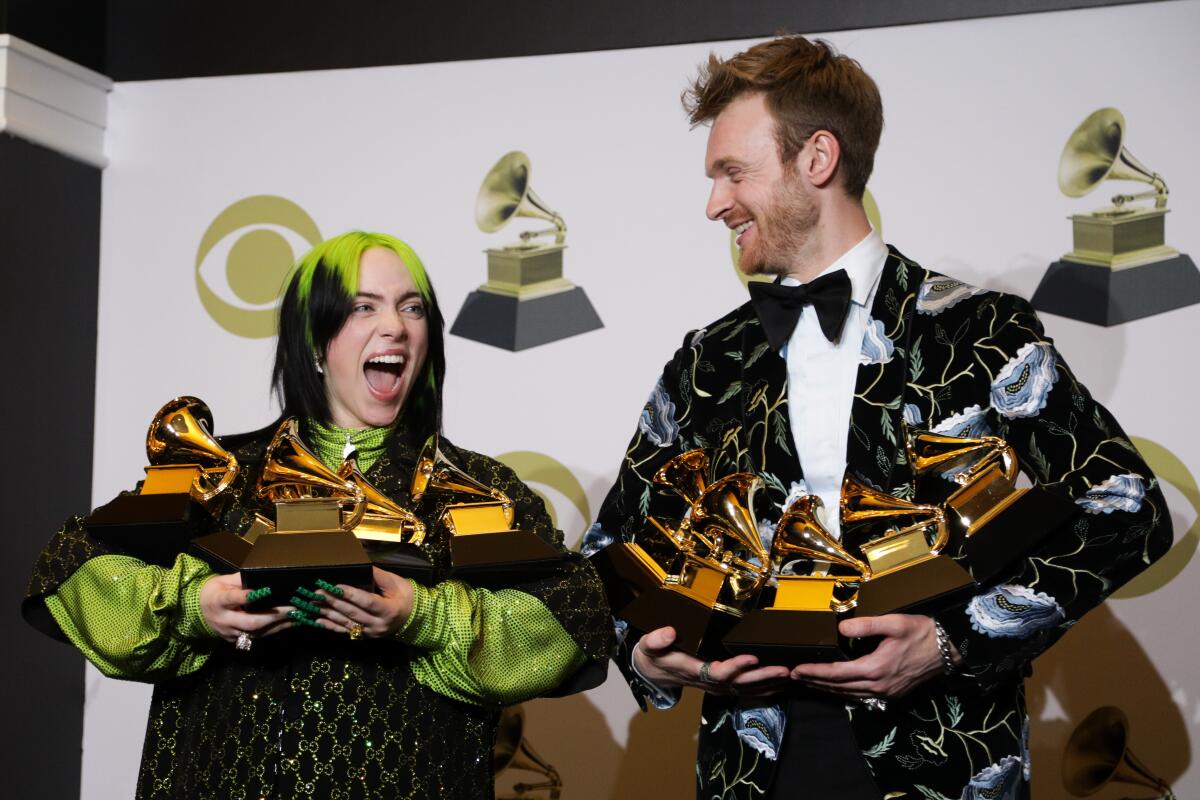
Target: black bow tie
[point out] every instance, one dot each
(778, 307)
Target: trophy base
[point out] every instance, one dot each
(402, 558)
(224, 551)
(924, 585)
(1013, 530)
(508, 554)
(787, 637)
(626, 570)
(1104, 296)
(699, 628)
(514, 324)
(285, 561)
(155, 528)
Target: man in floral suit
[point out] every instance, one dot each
(805, 384)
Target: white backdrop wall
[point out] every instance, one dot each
(977, 113)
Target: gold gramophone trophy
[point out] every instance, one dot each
(391, 534)
(316, 512)
(1120, 268)
(513, 751)
(482, 538)
(1098, 753)
(526, 300)
(902, 542)
(185, 485)
(800, 623)
(696, 576)
(995, 521)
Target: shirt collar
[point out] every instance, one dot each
(863, 263)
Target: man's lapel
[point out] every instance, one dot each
(875, 441)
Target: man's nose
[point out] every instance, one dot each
(719, 202)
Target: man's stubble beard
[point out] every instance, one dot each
(790, 221)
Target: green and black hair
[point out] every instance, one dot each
(318, 300)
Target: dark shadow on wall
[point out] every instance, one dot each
(572, 734)
(1100, 663)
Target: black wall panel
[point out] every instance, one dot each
(49, 252)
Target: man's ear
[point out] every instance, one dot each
(819, 159)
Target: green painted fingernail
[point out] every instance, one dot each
(309, 594)
(329, 587)
(306, 606)
(258, 594)
(300, 617)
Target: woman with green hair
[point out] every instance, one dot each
(344, 693)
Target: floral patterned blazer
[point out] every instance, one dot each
(958, 360)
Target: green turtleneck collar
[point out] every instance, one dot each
(329, 443)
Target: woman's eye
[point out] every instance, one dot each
(362, 307)
(414, 309)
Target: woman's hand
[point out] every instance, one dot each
(380, 614)
(222, 601)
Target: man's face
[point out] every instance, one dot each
(753, 193)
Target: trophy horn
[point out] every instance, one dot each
(181, 433)
(1095, 152)
(727, 509)
(290, 470)
(862, 505)
(436, 472)
(380, 505)
(506, 193)
(800, 534)
(1098, 753)
(967, 456)
(513, 751)
(686, 475)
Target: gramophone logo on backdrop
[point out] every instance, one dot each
(526, 300)
(240, 277)
(1120, 269)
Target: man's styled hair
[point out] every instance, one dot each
(318, 300)
(807, 87)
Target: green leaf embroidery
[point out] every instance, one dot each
(954, 708)
(736, 355)
(781, 432)
(730, 391)
(930, 794)
(738, 329)
(773, 482)
(882, 747)
(1039, 459)
(888, 429)
(916, 364)
(902, 275)
(757, 353)
(644, 503)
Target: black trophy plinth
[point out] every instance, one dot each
(1105, 296)
(926, 585)
(787, 637)
(285, 561)
(517, 324)
(155, 528)
(502, 556)
(1011, 531)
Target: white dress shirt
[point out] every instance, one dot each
(822, 375)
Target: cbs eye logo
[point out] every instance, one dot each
(244, 259)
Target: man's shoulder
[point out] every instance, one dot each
(727, 325)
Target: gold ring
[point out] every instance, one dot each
(355, 630)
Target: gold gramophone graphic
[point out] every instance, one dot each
(1098, 753)
(186, 483)
(800, 625)
(513, 751)
(526, 300)
(699, 575)
(997, 521)
(903, 543)
(316, 512)
(1120, 268)
(482, 539)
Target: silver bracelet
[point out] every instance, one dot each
(943, 646)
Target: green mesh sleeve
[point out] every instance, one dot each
(487, 648)
(136, 621)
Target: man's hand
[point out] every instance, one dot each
(907, 656)
(221, 602)
(667, 667)
(380, 615)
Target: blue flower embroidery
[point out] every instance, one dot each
(1000, 781)
(877, 348)
(937, 293)
(620, 630)
(912, 414)
(1118, 493)
(760, 727)
(1021, 388)
(969, 423)
(657, 422)
(1013, 611)
(797, 490)
(595, 540)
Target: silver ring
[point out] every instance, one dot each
(706, 672)
(875, 703)
(244, 642)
